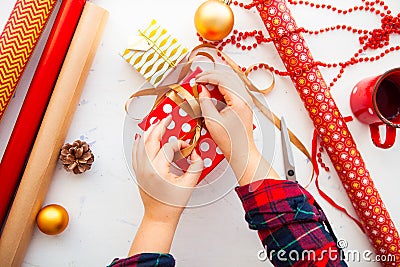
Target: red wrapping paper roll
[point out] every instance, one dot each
(35, 103)
(331, 128)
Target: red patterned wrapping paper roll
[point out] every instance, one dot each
(17, 42)
(36, 100)
(331, 128)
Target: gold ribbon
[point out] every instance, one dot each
(251, 89)
(267, 90)
(157, 49)
(190, 103)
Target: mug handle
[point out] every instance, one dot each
(376, 137)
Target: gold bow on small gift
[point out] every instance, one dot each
(144, 43)
(154, 52)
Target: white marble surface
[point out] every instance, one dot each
(104, 205)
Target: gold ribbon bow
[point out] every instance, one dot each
(190, 103)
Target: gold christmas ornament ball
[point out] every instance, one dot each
(214, 20)
(52, 219)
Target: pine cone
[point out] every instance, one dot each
(76, 157)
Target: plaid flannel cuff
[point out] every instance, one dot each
(289, 222)
(145, 260)
(270, 204)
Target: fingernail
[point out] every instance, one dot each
(194, 154)
(201, 89)
(168, 117)
(137, 136)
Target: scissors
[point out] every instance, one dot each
(288, 160)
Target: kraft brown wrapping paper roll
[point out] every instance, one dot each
(42, 162)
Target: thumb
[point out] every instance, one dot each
(207, 106)
(192, 175)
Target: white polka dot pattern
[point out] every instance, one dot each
(167, 108)
(171, 125)
(207, 162)
(153, 120)
(186, 127)
(204, 146)
(182, 112)
(172, 139)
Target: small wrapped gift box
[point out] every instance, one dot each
(154, 53)
(184, 127)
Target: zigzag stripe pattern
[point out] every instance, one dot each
(17, 42)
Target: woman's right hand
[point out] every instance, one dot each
(232, 127)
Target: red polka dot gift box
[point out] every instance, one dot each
(183, 126)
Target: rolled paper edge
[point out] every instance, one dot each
(35, 182)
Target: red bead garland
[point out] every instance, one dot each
(319, 156)
(373, 39)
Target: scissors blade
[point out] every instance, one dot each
(288, 159)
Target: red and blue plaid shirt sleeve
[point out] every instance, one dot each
(292, 227)
(145, 260)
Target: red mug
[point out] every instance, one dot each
(376, 101)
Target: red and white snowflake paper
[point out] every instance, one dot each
(331, 128)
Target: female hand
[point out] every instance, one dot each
(235, 121)
(232, 127)
(164, 193)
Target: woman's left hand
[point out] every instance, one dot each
(164, 194)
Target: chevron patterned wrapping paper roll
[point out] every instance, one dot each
(154, 53)
(331, 128)
(17, 42)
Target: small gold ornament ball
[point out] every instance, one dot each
(214, 20)
(52, 219)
